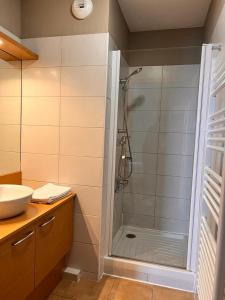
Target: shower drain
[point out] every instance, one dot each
(131, 236)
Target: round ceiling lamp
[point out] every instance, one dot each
(81, 9)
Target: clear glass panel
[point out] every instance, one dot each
(152, 206)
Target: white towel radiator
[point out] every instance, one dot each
(211, 267)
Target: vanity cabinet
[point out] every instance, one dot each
(17, 265)
(28, 256)
(53, 240)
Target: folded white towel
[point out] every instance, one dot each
(50, 193)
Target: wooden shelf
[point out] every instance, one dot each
(11, 50)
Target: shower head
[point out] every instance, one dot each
(135, 72)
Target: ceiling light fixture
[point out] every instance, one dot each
(82, 8)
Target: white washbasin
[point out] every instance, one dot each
(13, 199)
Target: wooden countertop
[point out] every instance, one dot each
(35, 211)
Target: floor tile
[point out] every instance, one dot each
(85, 289)
(164, 294)
(111, 288)
(127, 289)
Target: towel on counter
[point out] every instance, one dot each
(50, 193)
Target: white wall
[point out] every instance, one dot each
(63, 130)
(162, 119)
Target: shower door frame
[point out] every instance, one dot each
(184, 279)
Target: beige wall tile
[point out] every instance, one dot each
(10, 110)
(83, 111)
(84, 257)
(48, 49)
(40, 139)
(9, 162)
(34, 184)
(84, 81)
(40, 167)
(10, 82)
(81, 170)
(41, 111)
(86, 229)
(82, 141)
(88, 200)
(10, 138)
(41, 82)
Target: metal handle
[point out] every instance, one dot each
(23, 239)
(49, 221)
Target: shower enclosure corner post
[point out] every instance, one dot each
(114, 96)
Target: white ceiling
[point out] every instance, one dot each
(143, 15)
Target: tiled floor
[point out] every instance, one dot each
(151, 245)
(110, 288)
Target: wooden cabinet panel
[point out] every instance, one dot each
(53, 239)
(17, 265)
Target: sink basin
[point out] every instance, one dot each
(13, 199)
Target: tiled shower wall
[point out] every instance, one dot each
(63, 128)
(162, 119)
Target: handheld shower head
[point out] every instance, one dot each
(135, 72)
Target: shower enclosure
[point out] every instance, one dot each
(155, 144)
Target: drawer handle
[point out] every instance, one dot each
(23, 239)
(48, 222)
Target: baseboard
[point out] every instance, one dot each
(153, 274)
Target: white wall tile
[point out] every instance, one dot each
(82, 141)
(181, 76)
(81, 170)
(176, 143)
(178, 187)
(10, 108)
(138, 204)
(179, 99)
(173, 208)
(138, 220)
(85, 50)
(178, 121)
(144, 163)
(144, 99)
(171, 225)
(150, 77)
(175, 165)
(10, 138)
(41, 82)
(146, 142)
(144, 121)
(144, 184)
(41, 111)
(40, 167)
(84, 81)
(86, 229)
(40, 139)
(83, 111)
(48, 50)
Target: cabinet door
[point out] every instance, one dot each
(53, 239)
(17, 265)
